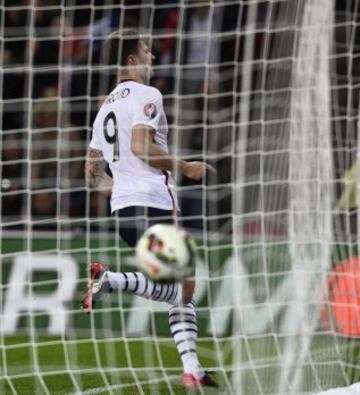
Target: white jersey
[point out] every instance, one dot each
(135, 182)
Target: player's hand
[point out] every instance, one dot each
(197, 170)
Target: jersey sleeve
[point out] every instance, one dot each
(95, 142)
(147, 109)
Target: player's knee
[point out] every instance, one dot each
(188, 290)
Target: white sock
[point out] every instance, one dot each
(182, 318)
(183, 327)
(138, 284)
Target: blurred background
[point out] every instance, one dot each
(267, 91)
(52, 83)
(233, 84)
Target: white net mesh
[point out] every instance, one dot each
(267, 92)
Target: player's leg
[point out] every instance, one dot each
(103, 281)
(133, 221)
(183, 327)
(182, 313)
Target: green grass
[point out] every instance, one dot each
(63, 366)
(83, 365)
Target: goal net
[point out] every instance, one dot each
(268, 93)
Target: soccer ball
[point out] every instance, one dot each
(166, 253)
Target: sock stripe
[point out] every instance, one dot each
(189, 339)
(153, 291)
(179, 308)
(177, 288)
(172, 291)
(137, 282)
(161, 289)
(167, 291)
(146, 286)
(187, 351)
(184, 330)
(126, 281)
(179, 322)
(180, 314)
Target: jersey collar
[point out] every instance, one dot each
(126, 80)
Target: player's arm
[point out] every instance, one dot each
(144, 147)
(95, 174)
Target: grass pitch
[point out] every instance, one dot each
(52, 365)
(69, 366)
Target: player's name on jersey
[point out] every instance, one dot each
(113, 97)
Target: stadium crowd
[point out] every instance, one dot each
(53, 82)
(53, 79)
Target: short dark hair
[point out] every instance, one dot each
(120, 44)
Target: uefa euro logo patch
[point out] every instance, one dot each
(150, 110)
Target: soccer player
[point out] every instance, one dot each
(130, 134)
